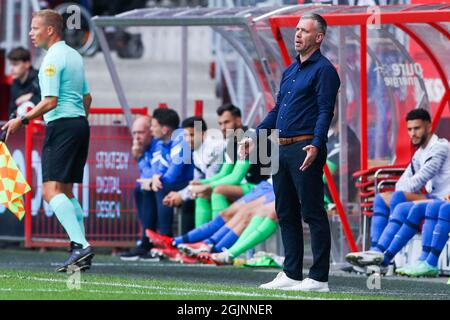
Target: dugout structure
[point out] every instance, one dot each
(390, 59)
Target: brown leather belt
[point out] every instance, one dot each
(290, 140)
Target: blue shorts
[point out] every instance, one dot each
(260, 190)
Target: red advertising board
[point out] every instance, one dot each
(106, 194)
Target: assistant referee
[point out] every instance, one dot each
(65, 103)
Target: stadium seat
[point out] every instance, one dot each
(369, 183)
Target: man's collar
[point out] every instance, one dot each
(313, 58)
(434, 138)
(25, 78)
(432, 141)
(57, 44)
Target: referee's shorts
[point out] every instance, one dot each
(65, 150)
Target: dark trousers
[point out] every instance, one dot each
(187, 216)
(146, 208)
(300, 195)
(165, 213)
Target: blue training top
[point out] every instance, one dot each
(145, 162)
(173, 160)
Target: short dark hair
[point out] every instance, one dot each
(19, 54)
(190, 123)
(235, 111)
(418, 114)
(321, 23)
(167, 117)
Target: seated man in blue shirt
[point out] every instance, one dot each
(172, 166)
(142, 150)
(207, 159)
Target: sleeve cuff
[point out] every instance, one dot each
(184, 193)
(317, 143)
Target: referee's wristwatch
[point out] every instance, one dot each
(24, 120)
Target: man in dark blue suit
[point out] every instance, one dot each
(302, 116)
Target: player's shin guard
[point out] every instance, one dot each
(406, 232)
(440, 235)
(379, 219)
(218, 203)
(226, 242)
(65, 212)
(201, 233)
(431, 219)
(254, 223)
(217, 236)
(80, 214)
(398, 217)
(202, 211)
(264, 231)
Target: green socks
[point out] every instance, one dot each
(252, 226)
(218, 203)
(202, 211)
(80, 214)
(66, 214)
(262, 232)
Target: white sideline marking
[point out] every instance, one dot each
(232, 293)
(183, 291)
(91, 291)
(145, 263)
(395, 293)
(115, 264)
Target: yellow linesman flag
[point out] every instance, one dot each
(12, 183)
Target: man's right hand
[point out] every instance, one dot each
(156, 183)
(173, 199)
(137, 150)
(246, 146)
(10, 127)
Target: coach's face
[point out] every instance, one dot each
(40, 33)
(307, 38)
(418, 131)
(141, 132)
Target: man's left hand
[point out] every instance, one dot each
(11, 126)
(311, 154)
(156, 183)
(173, 199)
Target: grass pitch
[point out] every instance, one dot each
(26, 274)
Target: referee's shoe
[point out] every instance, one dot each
(79, 256)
